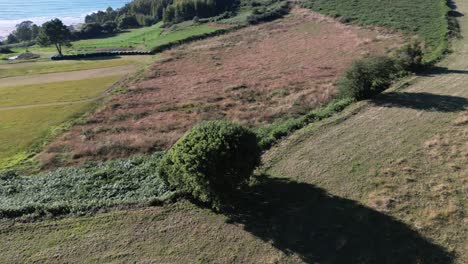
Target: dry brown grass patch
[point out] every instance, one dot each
(253, 76)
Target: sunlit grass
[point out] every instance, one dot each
(55, 92)
(21, 129)
(20, 69)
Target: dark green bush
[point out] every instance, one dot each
(367, 77)
(211, 162)
(5, 50)
(263, 14)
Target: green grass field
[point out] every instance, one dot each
(144, 38)
(21, 69)
(67, 91)
(424, 17)
(21, 129)
(24, 128)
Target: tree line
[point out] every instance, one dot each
(140, 13)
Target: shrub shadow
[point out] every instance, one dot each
(436, 70)
(422, 101)
(301, 219)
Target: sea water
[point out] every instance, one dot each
(12, 12)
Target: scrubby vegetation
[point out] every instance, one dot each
(211, 162)
(270, 134)
(367, 77)
(427, 18)
(81, 190)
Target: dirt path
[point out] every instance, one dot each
(49, 104)
(395, 152)
(67, 76)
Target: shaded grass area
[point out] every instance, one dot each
(21, 129)
(79, 190)
(22, 69)
(427, 18)
(404, 154)
(303, 219)
(67, 91)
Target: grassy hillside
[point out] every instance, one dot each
(403, 153)
(384, 181)
(144, 38)
(31, 113)
(255, 76)
(427, 18)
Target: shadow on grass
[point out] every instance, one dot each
(302, 219)
(422, 101)
(436, 70)
(101, 58)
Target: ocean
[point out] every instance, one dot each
(70, 12)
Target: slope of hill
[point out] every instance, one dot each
(404, 153)
(254, 76)
(383, 182)
(427, 18)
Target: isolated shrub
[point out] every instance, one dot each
(211, 162)
(367, 77)
(410, 56)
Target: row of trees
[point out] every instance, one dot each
(147, 12)
(25, 31)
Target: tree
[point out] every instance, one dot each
(128, 21)
(211, 162)
(91, 30)
(109, 27)
(24, 31)
(54, 32)
(11, 39)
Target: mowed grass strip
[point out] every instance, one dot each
(427, 18)
(20, 129)
(45, 93)
(21, 69)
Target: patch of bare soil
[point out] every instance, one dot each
(252, 76)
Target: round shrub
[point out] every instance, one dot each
(211, 162)
(367, 77)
